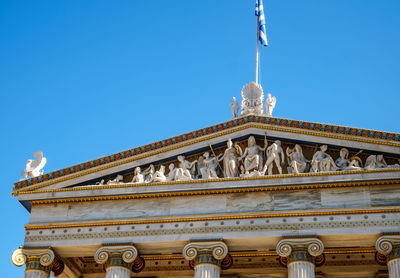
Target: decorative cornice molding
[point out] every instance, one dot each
(314, 246)
(384, 244)
(283, 176)
(276, 124)
(218, 248)
(128, 253)
(215, 192)
(21, 256)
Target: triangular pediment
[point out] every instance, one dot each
(360, 143)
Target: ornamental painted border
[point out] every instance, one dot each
(205, 131)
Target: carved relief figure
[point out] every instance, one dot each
(231, 159)
(234, 107)
(297, 163)
(159, 176)
(188, 168)
(172, 172)
(322, 162)
(253, 158)
(270, 105)
(118, 179)
(148, 173)
(137, 176)
(273, 153)
(209, 169)
(34, 168)
(343, 162)
(378, 162)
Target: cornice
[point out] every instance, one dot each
(131, 185)
(189, 192)
(251, 121)
(326, 212)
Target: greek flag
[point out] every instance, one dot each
(262, 35)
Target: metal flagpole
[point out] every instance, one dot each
(257, 49)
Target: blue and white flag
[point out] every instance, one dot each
(262, 35)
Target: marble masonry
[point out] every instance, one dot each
(256, 196)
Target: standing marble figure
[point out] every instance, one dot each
(234, 107)
(231, 159)
(270, 105)
(273, 153)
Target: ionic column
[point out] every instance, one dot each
(300, 254)
(119, 260)
(38, 262)
(390, 247)
(207, 258)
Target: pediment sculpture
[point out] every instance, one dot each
(254, 161)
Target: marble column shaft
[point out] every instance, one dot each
(36, 274)
(301, 269)
(118, 272)
(206, 271)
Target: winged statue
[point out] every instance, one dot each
(270, 105)
(34, 167)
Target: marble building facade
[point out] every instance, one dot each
(168, 209)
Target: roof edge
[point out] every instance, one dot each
(235, 122)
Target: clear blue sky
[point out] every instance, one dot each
(83, 79)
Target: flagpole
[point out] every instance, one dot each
(257, 50)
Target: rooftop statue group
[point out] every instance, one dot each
(257, 161)
(252, 102)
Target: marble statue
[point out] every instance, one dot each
(159, 176)
(100, 182)
(118, 180)
(273, 153)
(322, 162)
(297, 163)
(234, 107)
(172, 172)
(230, 159)
(378, 162)
(354, 165)
(183, 172)
(148, 173)
(186, 165)
(343, 162)
(247, 174)
(253, 156)
(209, 168)
(252, 99)
(34, 167)
(270, 105)
(137, 176)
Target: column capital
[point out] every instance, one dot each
(218, 249)
(128, 253)
(385, 244)
(125, 256)
(41, 259)
(314, 246)
(22, 256)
